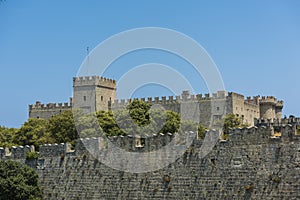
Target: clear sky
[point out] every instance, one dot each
(255, 44)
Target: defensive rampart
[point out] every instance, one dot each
(39, 110)
(253, 164)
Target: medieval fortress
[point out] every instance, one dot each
(98, 93)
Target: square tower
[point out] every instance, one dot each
(94, 93)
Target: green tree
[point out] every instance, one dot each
(7, 137)
(138, 118)
(139, 112)
(62, 127)
(108, 123)
(33, 132)
(18, 182)
(201, 131)
(87, 125)
(232, 121)
(149, 121)
(172, 123)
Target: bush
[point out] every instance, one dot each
(31, 155)
(18, 182)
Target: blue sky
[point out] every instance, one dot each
(255, 44)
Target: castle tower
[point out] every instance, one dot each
(267, 107)
(93, 93)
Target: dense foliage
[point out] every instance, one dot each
(137, 118)
(7, 136)
(60, 128)
(18, 182)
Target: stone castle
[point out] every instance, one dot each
(258, 162)
(98, 93)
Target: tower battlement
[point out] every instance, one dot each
(268, 99)
(185, 96)
(45, 111)
(271, 100)
(93, 80)
(16, 153)
(39, 105)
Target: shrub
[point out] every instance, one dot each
(31, 155)
(18, 182)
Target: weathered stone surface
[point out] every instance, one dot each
(251, 165)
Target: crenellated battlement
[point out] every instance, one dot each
(262, 133)
(150, 100)
(16, 153)
(256, 100)
(93, 80)
(252, 100)
(39, 105)
(45, 111)
(251, 159)
(268, 99)
(277, 122)
(279, 104)
(185, 96)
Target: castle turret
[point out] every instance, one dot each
(267, 107)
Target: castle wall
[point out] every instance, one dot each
(247, 110)
(198, 108)
(251, 112)
(251, 165)
(49, 110)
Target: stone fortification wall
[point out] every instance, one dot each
(246, 109)
(277, 122)
(253, 164)
(16, 153)
(207, 107)
(39, 110)
(185, 96)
